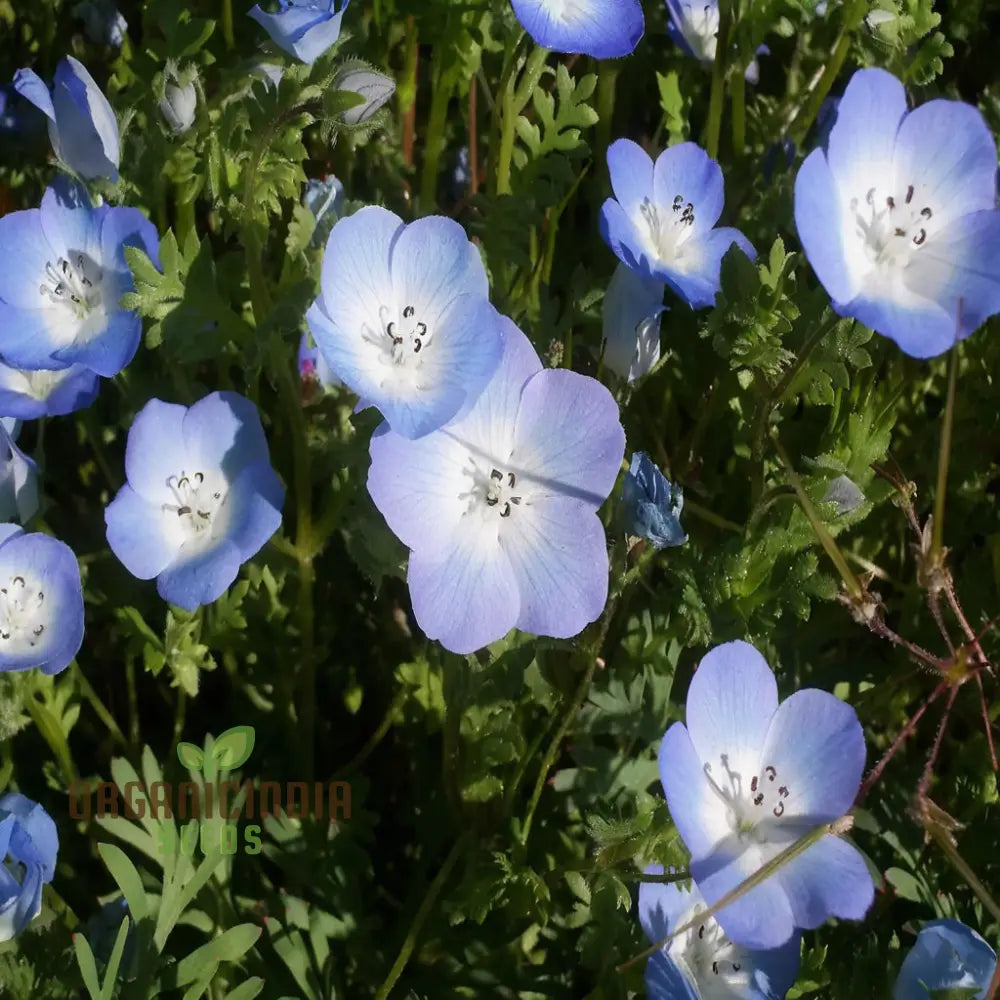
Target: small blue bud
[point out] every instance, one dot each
(652, 506)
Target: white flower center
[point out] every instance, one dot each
(493, 490)
(402, 337)
(23, 615)
(198, 503)
(74, 284)
(668, 229)
(892, 224)
(709, 959)
(566, 10)
(751, 807)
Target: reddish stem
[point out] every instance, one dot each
(925, 781)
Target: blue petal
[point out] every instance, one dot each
(71, 389)
(665, 981)
(631, 323)
(256, 497)
(128, 227)
(620, 233)
(88, 131)
(305, 32)
(631, 171)
(819, 221)
(109, 351)
(605, 29)
(136, 535)
(25, 253)
(31, 336)
(687, 170)
(699, 285)
(18, 911)
(156, 449)
(201, 577)
(34, 839)
(223, 430)
(33, 88)
(947, 955)
(559, 555)
(922, 328)
(660, 905)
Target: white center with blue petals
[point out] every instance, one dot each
(23, 614)
(668, 229)
(717, 967)
(75, 284)
(892, 221)
(199, 508)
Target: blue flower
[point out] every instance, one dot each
(605, 29)
(897, 216)
(661, 223)
(28, 395)
(102, 21)
(703, 962)
(632, 308)
(746, 778)
(29, 842)
(179, 106)
(947, 956)
(499, 507)
(41, 602)
(201, 497)
(652, 507)
(313, 366)
(325, 199)
(18, 478)
(694, 26)
(404, 318)
(65, 273)
(82, 127)
(303, 28)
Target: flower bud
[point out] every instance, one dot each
(376, 89)
(178, 107)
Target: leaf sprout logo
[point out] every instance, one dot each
(209, 808)
(231, 750)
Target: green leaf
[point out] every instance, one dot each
(191, 756)
(247, 991)
(127, 876)
(88, 967)
(233, 747)
(227, 947)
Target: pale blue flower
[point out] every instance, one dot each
(18, 478)
(694, 26)
(28, 395)
(651, 505)
(64, 276)
(404, 319)
(201, 497)
(746, 778)
(102, 21)
(303, 28)
(702, 962)
(41, 602)
(897, 215)
(82, 126)
(631, 319)
(499, 507)
(29, 845)
(604, 29)
(947, 956)
(660, 222)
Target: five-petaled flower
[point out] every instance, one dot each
(303, 28)
(64, 274)
(660, 221)
(694, 26)
(651, 505)
(897, 215)
(29, 844)
(41, 602)
(404, 318)
(947, 956)
(201, 497)
(82, 127)
(605, 29)
(702, 961)
(746, 778)
(499, 507)
(631, 320)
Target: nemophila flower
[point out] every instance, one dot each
(65, 273)
(201, 497)
(702, 962)
(694, 26)
(325, 199)
(102, 21)
(499, 507)
(746, 778)
(376, 89)
(82, 127)
(632, 308)
(605, 29)
(404, 318)
(18, 478)
(41, 602)
(303, 28)
(947, 956)
(897, 215)
(29, 844)
(651, 505)
(660, 221)
(28, 395)
(313, 368)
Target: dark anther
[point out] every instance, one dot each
(510, 479)
(4, 635)
(184, 481)
(181, 511)
(391, 330)
(216, 496)
(41, 597)
(870, 196)
(701, 932)
(736, 967)
(715, 967)
(778, 809)
(397, 340)
(909, 194)
(770, 772)
(516, 500)
(900, 232)
(417, 344)
(497, 475)
(753, 784)
(422, 329)
(758, 798)
(408, 312)
(783, 791)
(492, 501)
(926, 212)
(505, 510)
(204, 515)
(678, 201)
(920, 237)
(18, 579)
(39, 630)
(199, 478)
(891, 202)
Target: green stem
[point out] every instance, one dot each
(426, 905)
(607, 84)
(434, 141)
(88, 692)
(737, 94)
(227, 25)
(184, 219)
(944, 459)
(718, 93)
(373, 741)
(711, 517)
(133, 704)
(93, 433)
(514, 100)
